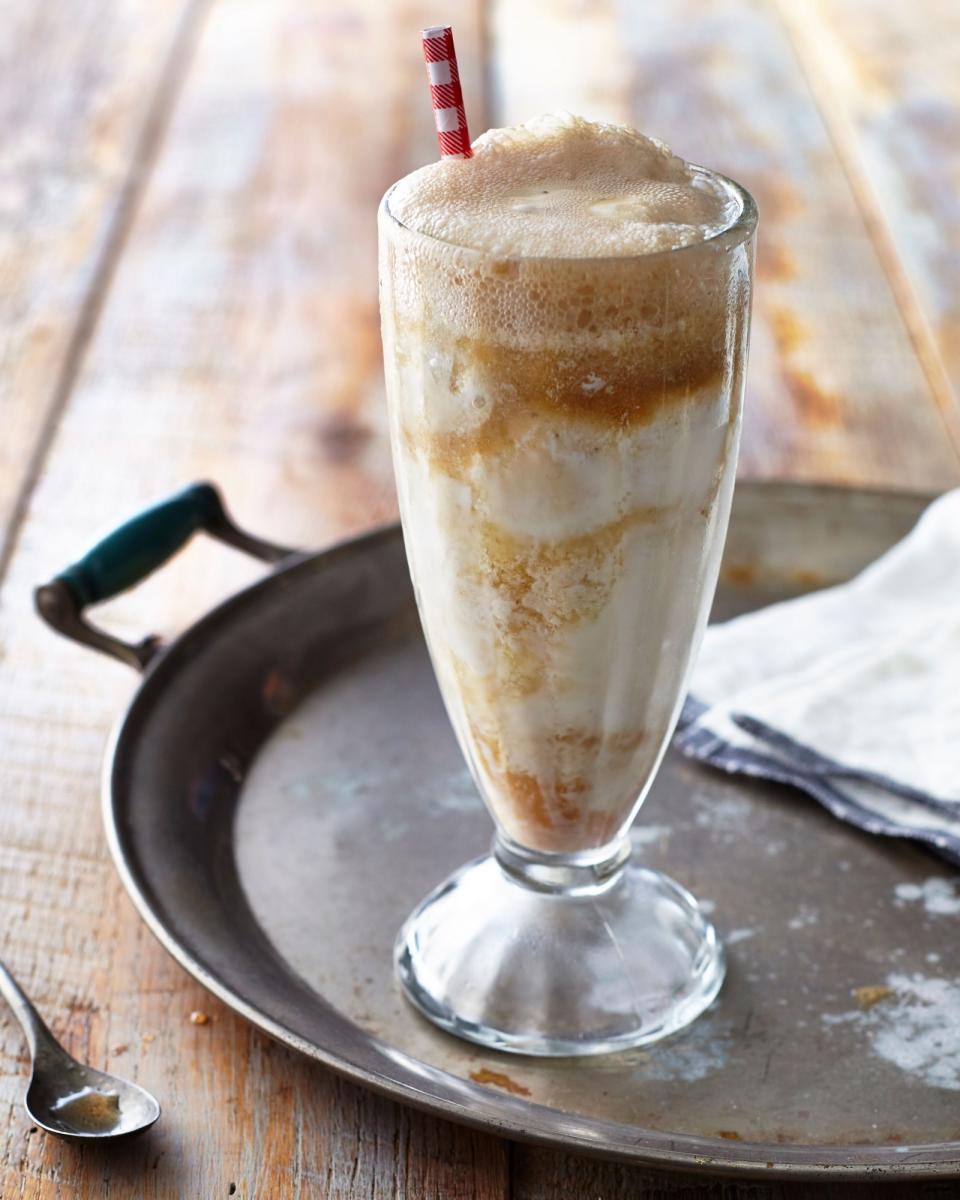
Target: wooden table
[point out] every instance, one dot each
(188, 290)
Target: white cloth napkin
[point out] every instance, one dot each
(851, 693)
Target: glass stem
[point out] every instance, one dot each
(582, 873)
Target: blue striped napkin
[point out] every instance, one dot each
(851, 693)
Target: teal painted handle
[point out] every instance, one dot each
(129, 554)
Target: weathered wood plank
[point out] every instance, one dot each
(836, 390)
(887, 79)
(84, 87)
(238, 341)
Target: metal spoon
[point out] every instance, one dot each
(65, 1097)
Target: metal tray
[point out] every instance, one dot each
(285, 786)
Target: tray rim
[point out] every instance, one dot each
(481, 1108)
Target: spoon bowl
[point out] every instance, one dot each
(78, 1102)
(67, 1098)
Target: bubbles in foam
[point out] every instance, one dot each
(565, 187)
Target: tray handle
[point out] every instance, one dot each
(128, 555)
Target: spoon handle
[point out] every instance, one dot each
(39, 1037)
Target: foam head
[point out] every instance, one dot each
(569, 270)
(561, 186)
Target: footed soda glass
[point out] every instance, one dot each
(565, 435)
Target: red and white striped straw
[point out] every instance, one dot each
(445, 93)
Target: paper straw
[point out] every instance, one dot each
(445, 93)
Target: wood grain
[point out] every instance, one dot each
(836, 390)
(238, 340)
(85, 86)
(887, 81)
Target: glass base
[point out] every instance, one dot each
(559, 955)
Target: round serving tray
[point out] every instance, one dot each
(285, 787)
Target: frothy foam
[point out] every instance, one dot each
(561, 186)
